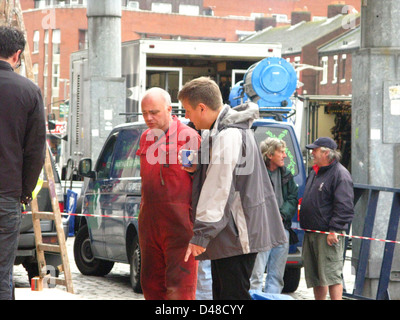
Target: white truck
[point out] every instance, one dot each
(147, 63)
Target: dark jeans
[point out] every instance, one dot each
(231, 277)
(10, 221)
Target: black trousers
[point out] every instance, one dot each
(10, 221)
(231, 277)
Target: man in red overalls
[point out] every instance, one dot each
(165, 219)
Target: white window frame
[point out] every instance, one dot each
(132, 4)
(344, 61)
(56, 40)
(41, 4)
(56, 66)
(190, 10)
(160, 7)
(335, 69)
(280, 17)
(35, 69)
(36, 41)
(324, 63)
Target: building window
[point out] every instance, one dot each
(39, 4)
(256, 15)
(161, 7)
(36, 38)
(335, 69)
(283, 18)
(324, 64)
(56, 41)
(132, 4)
(189, 10)
(344, 59)
(56, 75)
(35, 68)
(55, 90)
(74, 2)
(46, 64)
(83, 40)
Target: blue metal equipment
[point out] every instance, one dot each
(270, 83)
(373, 193)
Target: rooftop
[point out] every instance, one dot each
(294, 38)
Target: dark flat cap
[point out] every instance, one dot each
(323, 142)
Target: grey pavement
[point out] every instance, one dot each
(116, 285)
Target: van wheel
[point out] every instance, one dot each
(84, 258)
(135, 263)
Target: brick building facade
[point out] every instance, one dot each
(56, 28)
(336, 58)
(279, 8)
(55, 32)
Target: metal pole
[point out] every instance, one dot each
(376, 119)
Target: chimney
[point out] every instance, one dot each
(335, 9)
(264, 22)
(299, 16)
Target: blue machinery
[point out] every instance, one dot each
(269, 83)
(393, 223)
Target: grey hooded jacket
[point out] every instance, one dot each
(233, 199)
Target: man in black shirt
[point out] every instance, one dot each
(22, 148)
(327, 206)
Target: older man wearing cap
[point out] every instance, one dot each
(327, 206)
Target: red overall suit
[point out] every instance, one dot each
(165, 219)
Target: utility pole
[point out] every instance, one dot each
(107, 92)
(376, 119)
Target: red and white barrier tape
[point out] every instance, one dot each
(308, 230)
(349, 236)
(88, 215)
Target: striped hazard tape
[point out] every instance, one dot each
(308, 230)
(89, 215)
(349, 236)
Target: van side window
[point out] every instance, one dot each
(126, 162)
(104, 164)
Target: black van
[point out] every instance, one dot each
(108, 232)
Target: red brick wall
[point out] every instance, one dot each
(340, 87)
(69, 21)
(181, 25)
(246, 7)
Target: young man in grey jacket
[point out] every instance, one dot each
(236, 210)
